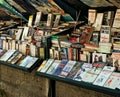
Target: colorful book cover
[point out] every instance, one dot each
(104, 75)
(82, 71)
(60, 67)
(74, 70)
(113, 81)
(53, 67)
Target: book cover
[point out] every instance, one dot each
(60, 67)
(2, 52)
(104, 75)
(113, 81)
(98, 21)
(116, 60)
(30, 20)
(74, 70)
(50, 20)
(7, 55)
(42, 65)
(17, 58)
(53, 67)
(105, 33)
(25, 33)
(91, 16)
(116, 22)
(57, 20)
(37, 19)
(67, 68)
(13, 44)
(18, 34)
(82, 71)
(98, 57)
(93, 72)
(47, 65)
(13, 56)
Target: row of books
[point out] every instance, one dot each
(17, 58)
(97, 73)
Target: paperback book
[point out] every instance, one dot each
(67, 68)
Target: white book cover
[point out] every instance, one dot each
(82, 71)
(37, 19)
(67, 68)
(7, 55)
(18, 34)
(113, 81)
(31, 61)
(105, 33)
(57, 20)
(91, 16)
(49, 20)
(30, 20)
(116, 22)
(3, 44)
(47, 65)
(104, 75)
(6, 47)
(32, 50)
(25, 33)
(13, 45)
(98, 21)
(53, 67)
(13, 56)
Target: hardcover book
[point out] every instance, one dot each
(50, 20)
(25, 33)
(53, 67)
(18, 34)
(67, 68)
(57, 20)
(47, 65)
(113, 81)
(74, 70)
(82, 71)
(104, 75)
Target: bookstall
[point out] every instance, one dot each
(47, 50)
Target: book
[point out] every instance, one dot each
(82, 71)
(42, 65)
(67, 68)
(2, 52)
(98, 21)
(104, 75)
(91, 16)
(30, 20)
(37, 19)
(60, 67)
(13, 56)
(18, 34)
(113, 81)
(32, 50)
(53, 67)
(74, 70)
(98, 57)
(93, 72)
(47, 65)
(57, 20)
(25, 33)
(50, 20)
(116, 60)
(105, 33)
(16, 59)
(13, 44)
(28, 61)
(116, 22)
(7, 55)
